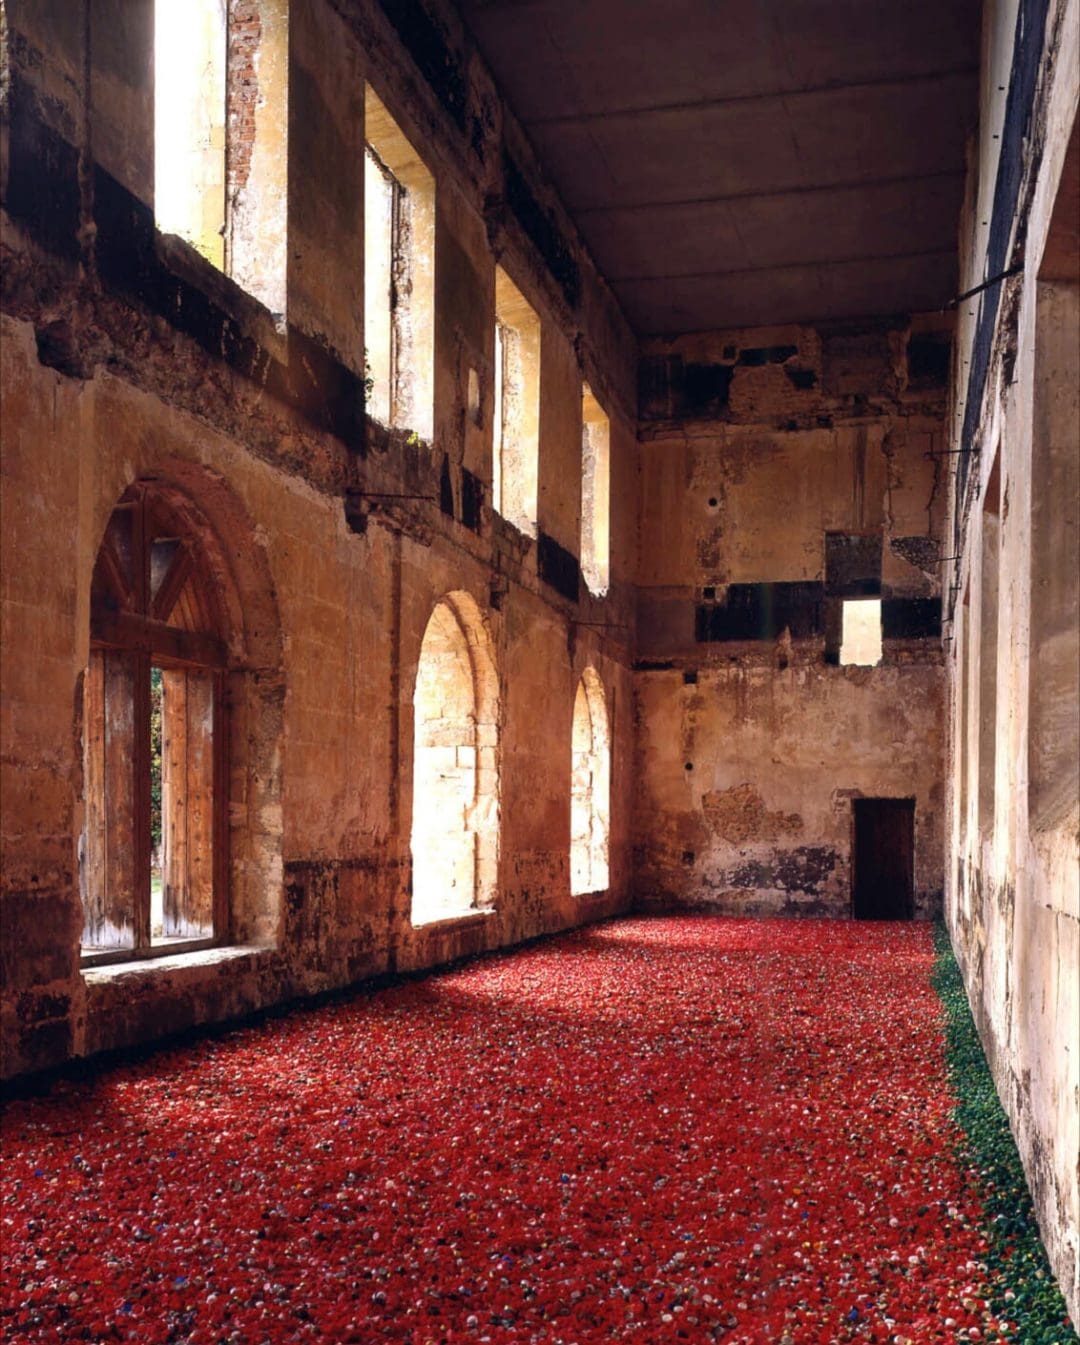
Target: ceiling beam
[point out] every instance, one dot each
(769, 96)
(809, 264)
(778, 193)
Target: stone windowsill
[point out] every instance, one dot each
(204, 958)
(442, 923)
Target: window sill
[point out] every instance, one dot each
(205, 957)
(254, 319)
(445, 922)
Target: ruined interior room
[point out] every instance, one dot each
(540, 671)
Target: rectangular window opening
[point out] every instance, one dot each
(399, 276)
(497, 421)
(516, 429)
(963, 702)
(988, 647)
(220, 132)
(861, 637)
(595, 493)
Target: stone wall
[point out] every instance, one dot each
(1013, 881)
(783, 470)
(127, 357)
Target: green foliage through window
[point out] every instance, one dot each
(155, 758)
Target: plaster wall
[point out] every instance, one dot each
(1013, 884)
(127, 357)
(753, 744)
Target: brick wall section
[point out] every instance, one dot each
(245, 34)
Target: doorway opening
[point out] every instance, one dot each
(883, 863)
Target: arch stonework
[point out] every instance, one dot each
(240, 612)
(455, 815)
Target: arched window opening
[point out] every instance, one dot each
(153, 862)
(590, 788)
(455, 774)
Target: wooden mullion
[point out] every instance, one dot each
(140, 761)
(222, 912)
(125, 630)
(140, 556)
(114, 573)
(140, 635)
(172, 585)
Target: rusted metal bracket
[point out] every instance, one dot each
(969, 294)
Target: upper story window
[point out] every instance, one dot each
(220, 131)
(399, 276)
(595, 493)
(516, 439)
(861, 640)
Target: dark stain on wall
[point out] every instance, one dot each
(705, 388)
(38, 1008)
(929, 354)
(558, 567)
(762, 612)
(804, 869)
(446, 489)
(542, 231)
(853, 564)
(667, 386)
(43, 176)
(754, 357)
(426, 44)
(472, 499)
(911, 618)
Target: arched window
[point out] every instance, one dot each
(153, 867)
(455, 822)
(590, 788)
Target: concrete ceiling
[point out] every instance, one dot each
(743, 164)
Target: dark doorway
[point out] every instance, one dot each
(884, 863)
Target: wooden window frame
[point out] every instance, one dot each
(138, 631)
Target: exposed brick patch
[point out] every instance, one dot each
(739, 814)
(242, 96)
